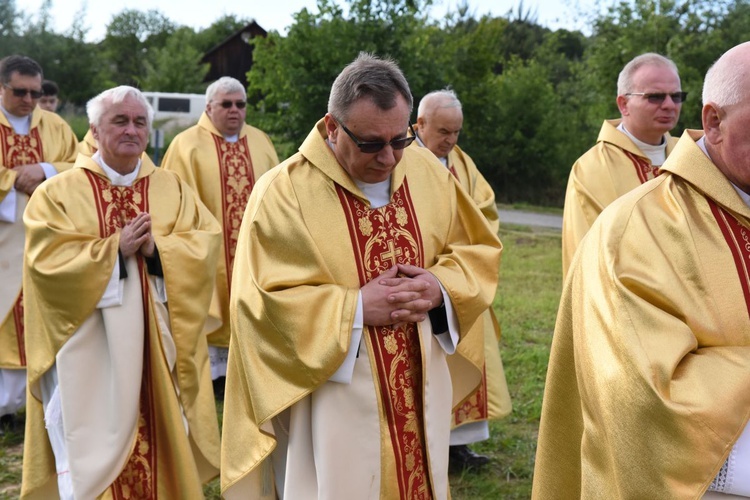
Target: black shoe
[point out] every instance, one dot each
(462, 458)
(219, 388)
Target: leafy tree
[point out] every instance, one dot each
(219, 31)
(176, 66)
(129, 37)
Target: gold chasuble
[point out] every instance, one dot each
(223, 174)
(88, 145)
(309, 240)
(491, 399)
(134, 383)
(50, 140)
(648, 386)
(605, 172)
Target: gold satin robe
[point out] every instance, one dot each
(491, 399)
(648, 385)
(613, 167)
(50, 140)
(67, 267)
(218, 172)
(295, 293)
(88, 145)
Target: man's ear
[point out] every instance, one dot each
(622, 105)
(94, 132)
(712, 116)
(332, 128)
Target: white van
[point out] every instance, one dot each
(175, 110)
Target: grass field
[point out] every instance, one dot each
(526, 304)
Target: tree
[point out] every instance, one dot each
(176, 67)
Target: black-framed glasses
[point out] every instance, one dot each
(374, 147)
(35, 94)
(659, 97)
(228, 104)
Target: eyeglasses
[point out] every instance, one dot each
(658, 97)
(228, 104)
(35, 94)
(374, 147)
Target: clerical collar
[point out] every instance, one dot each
(232, 138)
(701, 143)
(657, 154)
(116, 178)
(378, 193)
(20, 124)
(443, 159)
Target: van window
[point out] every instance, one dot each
(174, 104)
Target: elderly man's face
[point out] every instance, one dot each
(646, 120)
(122, 134)
(227, 111)
(369, 123)
(439, 129)
(25, 104)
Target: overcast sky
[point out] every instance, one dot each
(277, 15)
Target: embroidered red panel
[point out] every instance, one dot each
(20, 149)
(381, 238)
(116, 206)
(474, 408)
(643, 168)
(237, 181)
(738, 239)
(453, 171)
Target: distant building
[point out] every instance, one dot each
(234, 56)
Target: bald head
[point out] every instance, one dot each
(726, 114)
(439, 121)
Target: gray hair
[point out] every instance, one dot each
(625, 80)
(445, 98)
(368, 76)
(96, 107)
(225, 84)
(724, 80)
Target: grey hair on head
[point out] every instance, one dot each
(445, 98)
(97, 106)
(225, 84)
(625, 79)
(725, 82)
(368, 76)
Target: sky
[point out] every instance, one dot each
(553, 14)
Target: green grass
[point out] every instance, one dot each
(526, 305)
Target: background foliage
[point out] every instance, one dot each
(533, 98)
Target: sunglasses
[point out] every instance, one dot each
(658, 97)
(374, 147)
(228, 104)
(35, 94)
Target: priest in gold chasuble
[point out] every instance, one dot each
(351, 285)
(221, 158)
(648, 387)
(34, 145)
(439, 123)
(628, 150)
(118, 277)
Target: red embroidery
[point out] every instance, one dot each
(116, 206)
(474, 407)
(453, 171)
(20, 149)
(643, 167)
(381, 238)
(237, 181)
(18, 319)
(738, 239)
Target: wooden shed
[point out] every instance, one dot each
(234, 56)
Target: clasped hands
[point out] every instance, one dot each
(403, 294)
(28, 177)
(136, 235)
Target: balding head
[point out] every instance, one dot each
(439, 121)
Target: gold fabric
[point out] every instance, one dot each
(647, 386)
(88, 145)
(193, 155)
(67, 267)
(50, 140)
(296, 285)
(614, 166)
